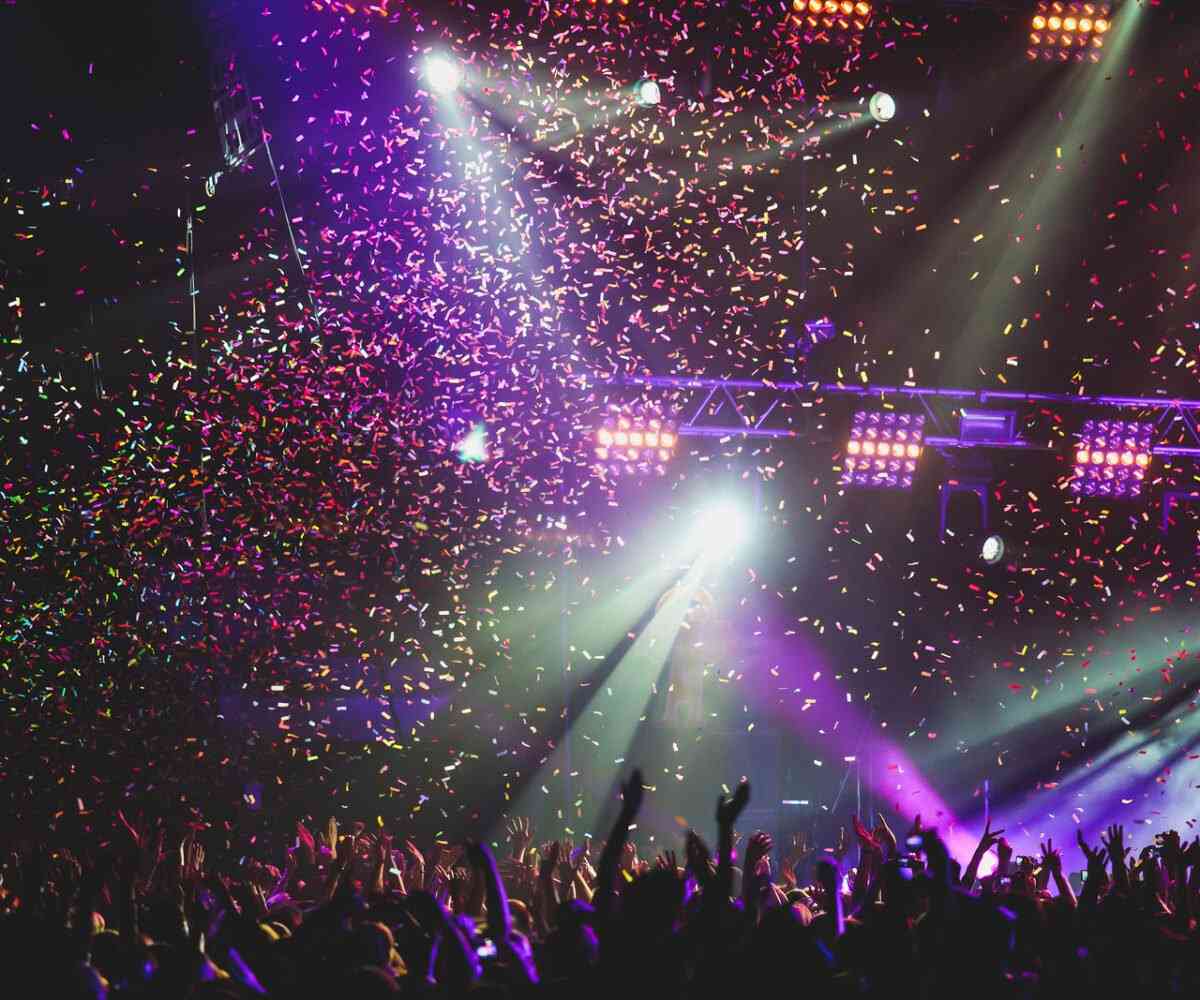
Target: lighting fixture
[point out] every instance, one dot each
(626, 444)
(1112, 458)
(882, 107)
(883, 450)
(831, 21)
(992, 550)
(442, 74)
(647, 93)
(1068, 31)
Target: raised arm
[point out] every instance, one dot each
(1115, 845)
(728, 812)
(1097, 876)
(1052, 861)
(754, 881)
(989, 840)
(631, 802)
(499, 917)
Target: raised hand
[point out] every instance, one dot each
(990, 838)
(1115, 843)
(1093, 856)
(801, 846)
(866, 839)
(699, 858)
(520, 833)
(1004, 852)
(757, 849)
(728, 810)
(1051, 858)
(1097, 874)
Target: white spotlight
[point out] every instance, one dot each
(992, 550)
(721, 528)
(442, 74)
(882, 107)
(648, 93)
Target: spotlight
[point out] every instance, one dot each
(648, 93)
(721, 528)
(442, 74)
(1082, 27)
(992, 550)
(883, 450)
(473, 448)
(635, 446)
(882, 107)
(1112, 458)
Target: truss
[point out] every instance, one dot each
(722, 408)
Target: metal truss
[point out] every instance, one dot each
(747, 408)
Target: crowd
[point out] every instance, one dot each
(150, 912)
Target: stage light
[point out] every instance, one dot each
(721, 528)
(1112, 458)
(442, 74)
(1082, 26)
(831, 22)
(647, 93)
(882, 107)
(473, 448)
(627, 444)
(992, 550)
(883, 450)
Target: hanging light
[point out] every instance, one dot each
(647, 93)
(882, 107)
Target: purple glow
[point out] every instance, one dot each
(883, 450)
(815, 704)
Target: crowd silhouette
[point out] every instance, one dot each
(157, 912)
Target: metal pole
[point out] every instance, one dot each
(565, 650)
(291, 232)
